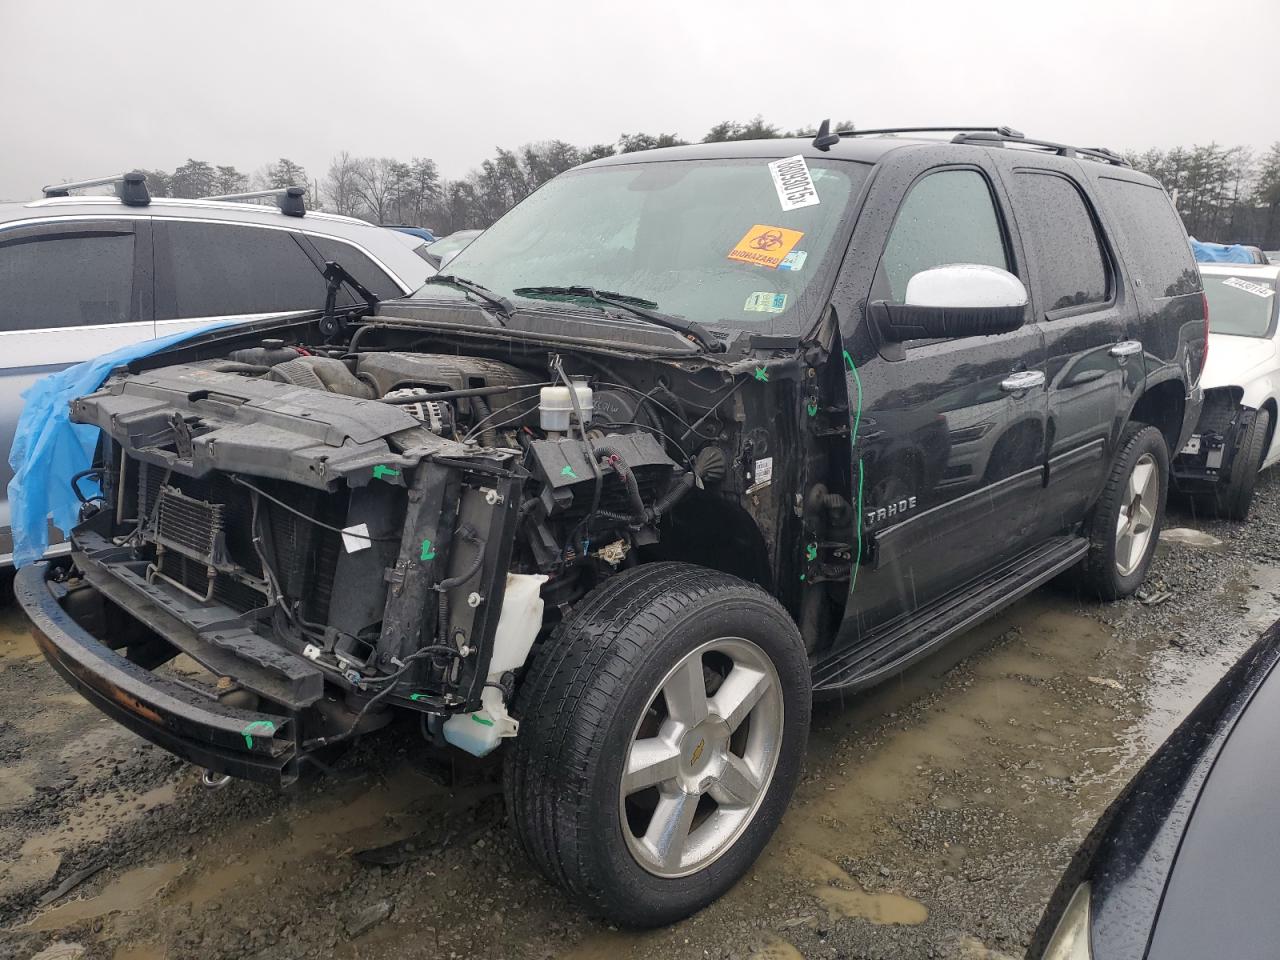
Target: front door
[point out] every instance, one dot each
(950, 441)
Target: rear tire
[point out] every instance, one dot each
(1124, 527)
(1233, 499)
(6, 586)
(662, 733)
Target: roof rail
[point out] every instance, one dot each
(999, 138)
(1003, 131)
(288, 199)
(131, 187)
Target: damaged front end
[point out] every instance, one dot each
(290, 544)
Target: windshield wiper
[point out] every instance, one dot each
(497, 301)
(644, 309)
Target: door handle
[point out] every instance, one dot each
(1126, 348)
(1022, 380)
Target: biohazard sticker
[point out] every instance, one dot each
(793, 182)
(765, 246)
(1248, 286)
(766, 302)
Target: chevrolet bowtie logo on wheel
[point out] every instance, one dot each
(697, 752)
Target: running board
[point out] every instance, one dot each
(903, 641)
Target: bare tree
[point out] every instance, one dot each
(340, 185)
(376, 182)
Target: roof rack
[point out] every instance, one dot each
(131, 187)
(1003, 131)
(288, 199)
(989, 136)
(1000, 137)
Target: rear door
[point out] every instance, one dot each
(215, 270)
(1093, 346)
(69, 291)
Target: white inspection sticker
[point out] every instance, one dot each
(355, 539)
(1248, 286)
(764, 471)
(794, 184)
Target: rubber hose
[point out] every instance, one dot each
(628, 476)
(489, 433)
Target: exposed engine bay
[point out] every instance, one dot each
(331, 531)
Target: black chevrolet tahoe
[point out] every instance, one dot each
(686, 440)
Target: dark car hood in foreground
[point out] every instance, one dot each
(1187, 855)
(1221, 897)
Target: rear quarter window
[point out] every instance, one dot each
(360, 266)
(1155, 244)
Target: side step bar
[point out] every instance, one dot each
(903, 641)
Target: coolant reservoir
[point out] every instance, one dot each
(555, 406)
(518, 625)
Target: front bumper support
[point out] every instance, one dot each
(180, 718)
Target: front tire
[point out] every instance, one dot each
(1233, 500)
(662, 733)
(1124, 526)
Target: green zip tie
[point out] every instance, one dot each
(811, 552)
(567, 471)
(381, 471)
(428, 551)
(479, 719)
(853, 441)
(812, 408)
(263, 727)
(415, 697)
(762, 374)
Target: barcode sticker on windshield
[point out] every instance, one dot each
(1248, 286)
(794, 184)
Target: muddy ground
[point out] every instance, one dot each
(934, 818)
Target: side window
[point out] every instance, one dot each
(1064, 239)
(220, 269)
(1156, 248)
(948, 217)
(66, 280)
(359, 266)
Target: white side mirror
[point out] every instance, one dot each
(965, 285)
(954, 300)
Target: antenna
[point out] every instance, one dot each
(131, 187)
(825, 139)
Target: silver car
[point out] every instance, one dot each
(81, 276)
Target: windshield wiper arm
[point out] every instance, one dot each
(633, 305)
(500, 303)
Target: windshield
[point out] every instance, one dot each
(1240, 306)
(707, 240)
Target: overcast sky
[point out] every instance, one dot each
(93, 88)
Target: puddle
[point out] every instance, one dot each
(849, 899)
(127, 892)
(16, 642)
(39, 856)
(881, 908)
(1189, 537)
(140, 951)
(360, 816)
(775, 948)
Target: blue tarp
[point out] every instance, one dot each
(1220, 252)
(48, 449)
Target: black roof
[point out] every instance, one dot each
(858, 149)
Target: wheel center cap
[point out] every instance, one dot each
(702, 748)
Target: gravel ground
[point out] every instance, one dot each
(933, 820)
